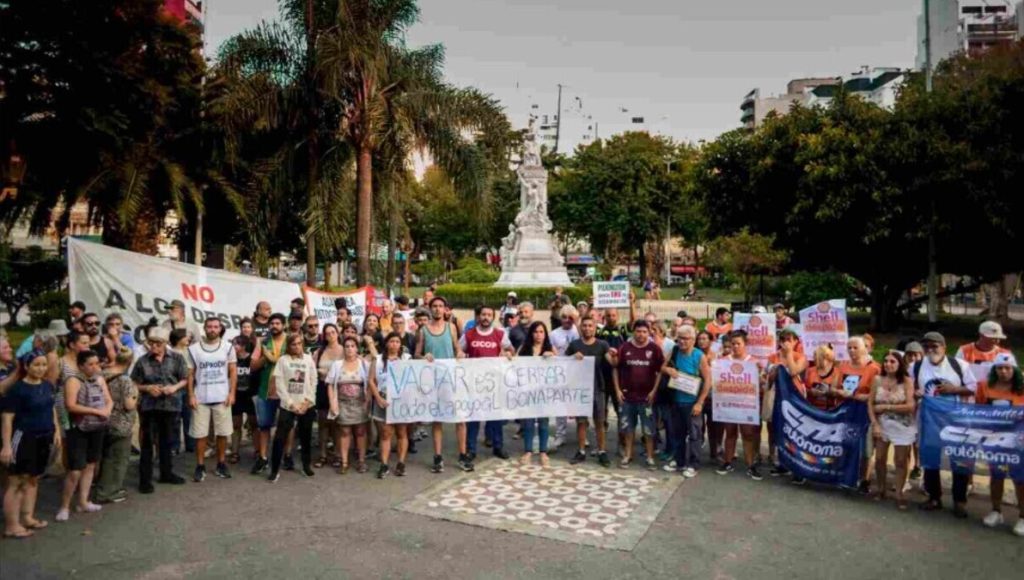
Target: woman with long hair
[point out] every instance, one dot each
(331, 350)
(734, 431)
(347, 391)
(89, 404)
(537, 344)
(1004, 388)
(248, 350)
(392, 353)
(891, 409)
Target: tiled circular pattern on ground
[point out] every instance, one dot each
(572, 500)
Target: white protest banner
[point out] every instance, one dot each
(825, 323)
(139, 287)
(321, 304)
(489, 389)
(760, 329)
(611, 294)
(736, 397)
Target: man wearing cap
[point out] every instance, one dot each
(159, 375)
(937, 375)
(980, 353)
(511, 304)
(176, 319)
(781, 319)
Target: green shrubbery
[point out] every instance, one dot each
(47, 306)
(472, 295)
(473, 271)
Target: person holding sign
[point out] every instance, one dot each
(348, 384)
(636, 383)
(537, 344)
(858, 374)
(689, 382)
(789, 357)
(485, 340)
(393, 352)
(1004, 388)
(604, 358)
(439, 340)
(733, 431)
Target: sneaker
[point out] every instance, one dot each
(930, 506)
(624, 463)
(273, 477)
(1018, 528)
(372, 453)
(798, 480)
(400, 469)
(259, 466)
(146, 488)
(555, 444)
(208, 453)
(689, 472)
(724, 468)
(174, 479)
(289, 463)
(603, 460)
(651, 464)
(200, 473)
(501, 454)
(465, 463)
(307, 471)
(472, 456)
(664, 456)
(993, 519)
(580, 457)
(383, 471)
(62, 516)
(915, 473)
(864, 487)
(412, 448)
(670, 467)
(778, 470)
(222, 471)
(754, 473)
(959, 511)
(438, 466)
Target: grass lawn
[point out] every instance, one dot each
(17, 334)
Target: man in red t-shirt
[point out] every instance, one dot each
(484, 340)
(636, 382)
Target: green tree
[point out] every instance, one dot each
(746, 256)
(25, 274)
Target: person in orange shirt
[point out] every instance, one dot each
(858, 374)
(795, 363)
(1004, 388)
(720, 325)
(980, 353)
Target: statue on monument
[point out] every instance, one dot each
(531, 147)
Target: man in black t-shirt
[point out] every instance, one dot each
(604, 359)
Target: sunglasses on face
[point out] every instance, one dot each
(91, 323)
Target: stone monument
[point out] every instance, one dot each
(528, 253)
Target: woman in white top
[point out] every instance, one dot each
(891, 409)
(393, 352)
(347, 385)
(330, 352)
(294, 383)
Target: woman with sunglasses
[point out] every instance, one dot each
(891, 409)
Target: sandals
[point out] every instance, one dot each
(18, 535)
(336, 463)
(37, 524)
(361, 467)
(319, 463)
(902, 505)
(343, 469)
(233, 458)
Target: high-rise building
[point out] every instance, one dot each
(967, 26)
(756, 108)
(878, 85)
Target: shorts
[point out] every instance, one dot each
(600, 410)
(31, 454)
(243, 405)
(217, 414)
(323, 401)
(266, 412)
(84, 447)
(633, 413)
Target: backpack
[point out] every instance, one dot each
(952, 363)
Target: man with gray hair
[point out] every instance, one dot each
(690, 381)
(517, 334)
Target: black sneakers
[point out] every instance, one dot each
(580, 457)
(754, 473)
(259, 466)
(724, 468)
(199, 474)
(400, 469)
(778, 470)
(222, 471)
(501, 454)
(173, 479)
(603, 460)
(289, 463)
(384, 471)
(307, 471)
(438, 466)
(273, 477)
(465, 463)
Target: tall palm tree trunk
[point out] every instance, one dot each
(392, 244)
(364, 214)
(311, 143)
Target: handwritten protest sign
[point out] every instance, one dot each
(760, 329)
(489, 389)
(736, 396)
(611, 294)
(321, 304)
(825, 323)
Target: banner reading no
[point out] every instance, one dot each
(489, 389)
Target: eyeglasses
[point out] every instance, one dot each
(312, 326)
(91, 323)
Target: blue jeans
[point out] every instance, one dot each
(531, 427)
(492, 430)
(679, 432)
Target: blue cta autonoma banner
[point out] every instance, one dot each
(822, 446)
(959, 435)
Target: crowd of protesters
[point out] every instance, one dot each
(84, 394)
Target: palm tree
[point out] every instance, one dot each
(387, 91)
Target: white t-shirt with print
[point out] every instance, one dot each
(931, 376)
(560, 339)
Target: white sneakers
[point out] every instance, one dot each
(1019, 528)
(993, 519)
(689, 472)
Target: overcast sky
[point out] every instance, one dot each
(684, 66)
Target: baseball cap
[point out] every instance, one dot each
(158, 334)
(1004, 359)
(512, 294)
(991, 329)
(779, 306)
(935, 337)
(759, 310)
(914, 347)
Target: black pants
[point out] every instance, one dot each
(155, 428)
(285, 421)
(933, 485)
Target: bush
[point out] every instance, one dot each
(47, 306)
(472, 295)
(474, 275)
(470, 262)
(428, 270)
(807, 288)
